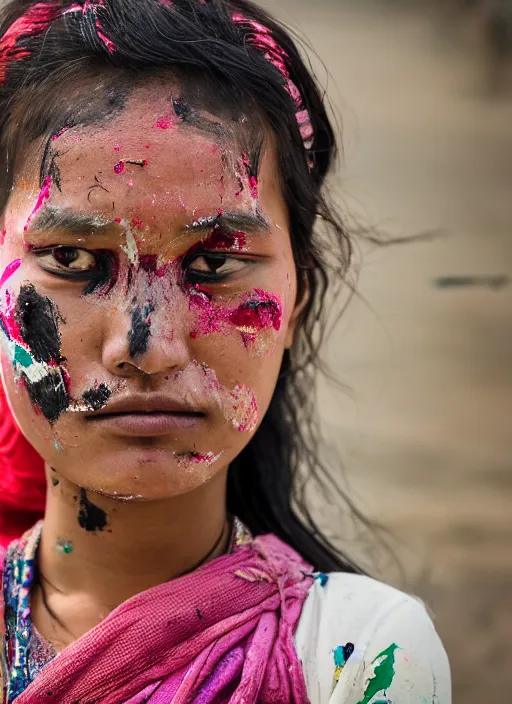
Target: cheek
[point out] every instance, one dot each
(256, 318)
(31, 341)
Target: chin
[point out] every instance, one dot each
(147, 474)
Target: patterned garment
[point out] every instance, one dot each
(25, 651)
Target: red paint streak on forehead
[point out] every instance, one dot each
(44, 194)
(36, 20)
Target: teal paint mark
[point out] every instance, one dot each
(339, 657)
(65, 546)
(22, 357)
(383, 674)
(322, 578)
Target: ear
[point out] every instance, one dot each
(300, 306)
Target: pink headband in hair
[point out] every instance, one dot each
(261, 38)
(38, 19)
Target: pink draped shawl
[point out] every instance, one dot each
(220, 635)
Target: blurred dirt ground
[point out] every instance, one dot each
(426, 432)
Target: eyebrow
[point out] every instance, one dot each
(83, 224)
(52, 218)
(245, 220)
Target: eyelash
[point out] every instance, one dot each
(199, 277)
(103, 275)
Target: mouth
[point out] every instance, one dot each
(146, 416)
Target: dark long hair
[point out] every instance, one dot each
(78, 67)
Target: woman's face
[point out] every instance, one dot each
(148, 292)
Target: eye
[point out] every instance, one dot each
(66, 260)
(214, 266)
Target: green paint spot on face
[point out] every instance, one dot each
(22, 357)
(383, 674)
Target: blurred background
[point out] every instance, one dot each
(424, 426)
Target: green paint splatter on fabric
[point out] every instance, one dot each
(383, 674)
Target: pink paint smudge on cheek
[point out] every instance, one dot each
(117, 148)
(8, 320)
(44, 194)
(119, 167)
(191, 459)
(2, 236)
(244, 409)
(209, 318)
(238, 405)
(260, 312)
(9, 270)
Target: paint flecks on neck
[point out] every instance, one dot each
(65, 547)
(91, 518)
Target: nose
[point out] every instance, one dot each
(142, 341)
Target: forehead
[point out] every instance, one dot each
(157, 151)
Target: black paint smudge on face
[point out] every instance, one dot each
(140, 331)
(50, 394)
(91, 518)
(183, 111)
(96, 398)
(38, 320)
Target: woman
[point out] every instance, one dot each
(161, 296)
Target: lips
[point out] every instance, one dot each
(149, 415)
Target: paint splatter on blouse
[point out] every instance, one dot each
(363, 642)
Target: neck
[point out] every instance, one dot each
(103, 551)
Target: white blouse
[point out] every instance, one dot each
(396, 658)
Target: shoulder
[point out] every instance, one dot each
(361, 641)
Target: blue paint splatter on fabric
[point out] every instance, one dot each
(322, 578)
